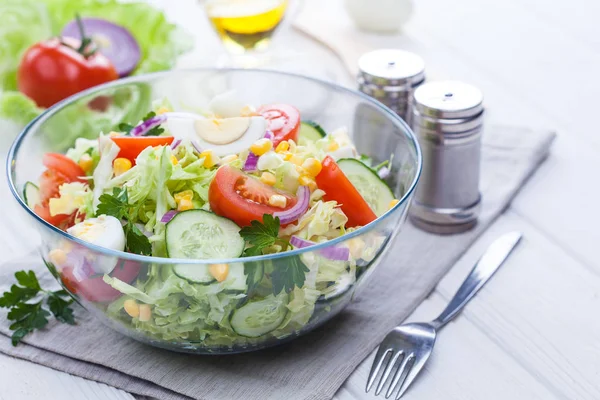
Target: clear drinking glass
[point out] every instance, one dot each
(174, 319)
(246, 29)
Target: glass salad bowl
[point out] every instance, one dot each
(262, 302)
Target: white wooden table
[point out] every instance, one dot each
(534, 331)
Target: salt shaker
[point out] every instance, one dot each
(448, 122)
(391, 76)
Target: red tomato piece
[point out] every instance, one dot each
(51, 71)
(64, 166)
(242, 198)
(283, 120)
(132, 146)
(338, 187)
(94, 288)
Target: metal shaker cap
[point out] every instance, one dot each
(389, 67)
(448, 100)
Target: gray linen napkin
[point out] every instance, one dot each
(313, 366)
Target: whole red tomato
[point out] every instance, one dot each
(52, 70)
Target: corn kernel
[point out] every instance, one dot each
(132, 308)
(306, 180)
(287, 156)
(57, 256)
(261, 146)
(228, 159)
(292, 145)
(121, 165)
(85, 162)
(219, 271)
(333, 146)
(162, 110)
(301, 170)
(185, 205)
(185, 195)
(114, 134)
(145, 312)
(210, 159)
(312, 166)
(296, 160)
(282, 147)
(174, 160)
(312, 185)
(277, 200)
(268, 178)
(393, 203)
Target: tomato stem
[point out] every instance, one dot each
(85, 41)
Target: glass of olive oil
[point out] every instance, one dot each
(246, 27)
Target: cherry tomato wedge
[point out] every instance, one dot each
(132, 146)
(283, 120)
(62, 164)
(338, 187)
(242, 198)
(43, 211)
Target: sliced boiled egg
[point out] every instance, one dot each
(105, 231)
(224, 136)
(229, 135)
(345, 148)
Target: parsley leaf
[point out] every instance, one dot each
(59, 307)
(262, 235)
(136, 241)
(117, 205)
(29, 316)
(288, 272)
(156, 131)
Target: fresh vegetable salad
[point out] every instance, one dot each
(234, 182)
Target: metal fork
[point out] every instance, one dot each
(412, 343)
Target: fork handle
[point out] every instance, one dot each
(485, 268)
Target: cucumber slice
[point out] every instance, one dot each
(31, 194)
(371, 187)
(257, 318)
(194, 273)
(310, 131)
(236, 280)
(203, 235)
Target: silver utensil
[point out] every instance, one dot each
(411, 344)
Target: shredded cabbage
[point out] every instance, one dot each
(104, 170)
(323, 221)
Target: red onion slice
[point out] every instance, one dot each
(114, 41)
(145, 126)
(175, 144)
(331, 253)
(251, 162)
(197, 146)
(291, 215)
(168, 216)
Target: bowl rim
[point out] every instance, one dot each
(10, 168)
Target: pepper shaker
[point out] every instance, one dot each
(390, 76)
(448, 122)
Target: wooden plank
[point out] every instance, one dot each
(465, 365)
(25, 380)
(538, 309)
